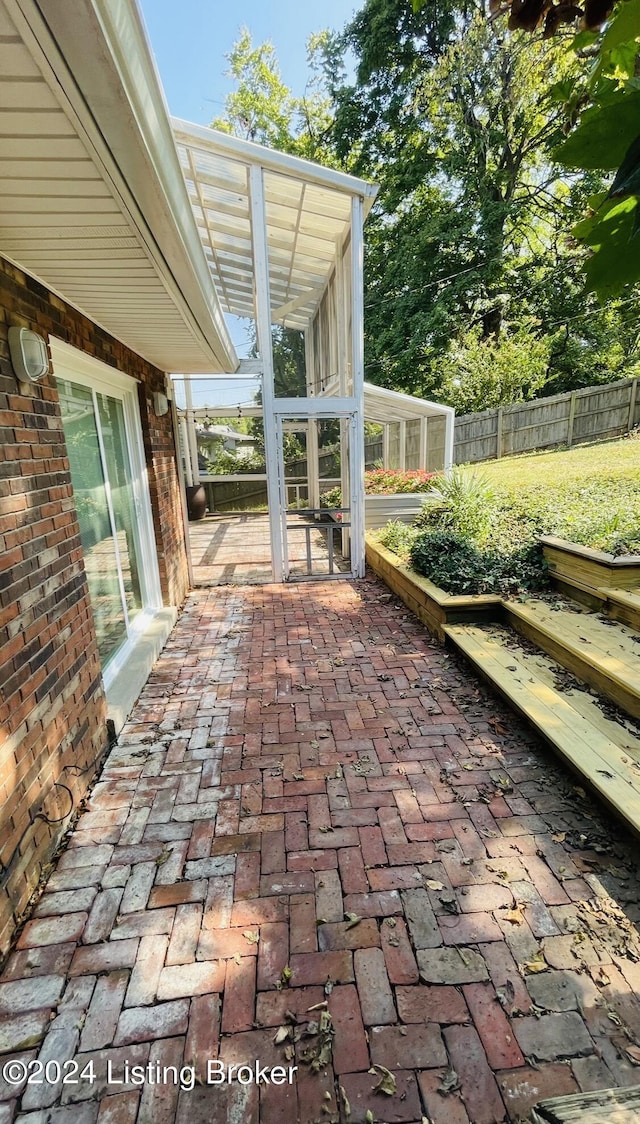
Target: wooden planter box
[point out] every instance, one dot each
(585, 573)
(403, 506)
(431, 605)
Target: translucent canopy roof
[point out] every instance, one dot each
(308, 220)
(387, 406)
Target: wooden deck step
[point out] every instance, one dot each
(606, 655)
(622, 605)
(605, 753)
(605, 1106)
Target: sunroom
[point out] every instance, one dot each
(284, 241)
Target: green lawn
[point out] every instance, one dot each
(589, 494)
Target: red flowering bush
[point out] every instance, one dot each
(390, 481)
(385, 482)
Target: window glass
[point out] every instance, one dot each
(111, 417)
(94, 517)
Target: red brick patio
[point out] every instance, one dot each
(313, 803)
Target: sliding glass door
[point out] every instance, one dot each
(103, 446)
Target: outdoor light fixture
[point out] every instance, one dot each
(160, 404)
(29, 355)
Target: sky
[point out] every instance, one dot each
(190, 39)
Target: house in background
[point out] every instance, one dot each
(215, 439)
(123, 237)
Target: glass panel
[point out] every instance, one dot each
(111, 415)
(87, 476)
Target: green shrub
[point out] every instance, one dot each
(332, 498)
(398, 537)
(456, 565)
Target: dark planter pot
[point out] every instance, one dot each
(196, 502)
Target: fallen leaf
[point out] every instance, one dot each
(285, 976)
(345, 1101)
(559, 837)
(449, 903)
(633, 1054)
(536, 964)
(369, 1117)
(497, 726)
(251, 936)
(513, 915)
(387, 1082)
(450, 1082)
(433, 884)
(506, 994)
(281, 1035)
(352, 920)
(328, 987)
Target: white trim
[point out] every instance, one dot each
(255, 187)
(70, 363)
(357, 457)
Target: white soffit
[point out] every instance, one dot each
(308, 214)
(92, 199)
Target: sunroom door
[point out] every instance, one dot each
(317, 541)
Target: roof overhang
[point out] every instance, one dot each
(93, 202)
(308, 220)
(386, 406)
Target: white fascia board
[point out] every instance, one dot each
(99, 56)
(200, 136)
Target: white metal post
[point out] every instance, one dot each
(180, 437)
(357, 375)
(449, 437)
(265, 348)
(403, 445)
(313, 473)
(385, 446)
(184, 433)
(424, 443)
(192, 441)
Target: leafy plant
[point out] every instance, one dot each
(454, 564)
(462, 502)
(398, 537)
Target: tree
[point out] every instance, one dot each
(458, 123)
(263, 109)
(607, 136)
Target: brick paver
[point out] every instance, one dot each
(311, 843)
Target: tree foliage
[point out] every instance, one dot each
(459, 121)
(473, 291)
(608, 137)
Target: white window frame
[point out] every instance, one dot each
(78, 367)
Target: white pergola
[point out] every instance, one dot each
(283, 239)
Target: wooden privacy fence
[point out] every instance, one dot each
(231, 493)
(592, 414)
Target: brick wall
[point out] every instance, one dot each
(52, 704)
